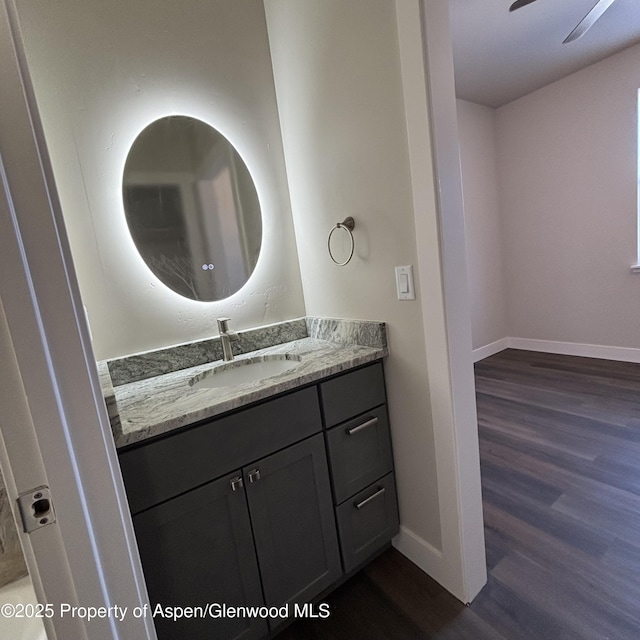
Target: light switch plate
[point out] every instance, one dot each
(404, 283)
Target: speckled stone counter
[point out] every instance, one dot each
(144, 407)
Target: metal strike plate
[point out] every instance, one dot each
(36, 509)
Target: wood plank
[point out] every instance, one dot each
(556, 594)
(619, 588)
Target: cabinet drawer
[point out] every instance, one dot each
(367, 522)
(352, 394)
(163, 469)
(359, 452)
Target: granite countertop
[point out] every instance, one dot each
(159, 404)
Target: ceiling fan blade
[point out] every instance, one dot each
(518, 4)
(589, 20)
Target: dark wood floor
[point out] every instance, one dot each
(560, 459)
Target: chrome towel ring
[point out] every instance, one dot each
(348, 224)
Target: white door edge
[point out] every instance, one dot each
(54, 423)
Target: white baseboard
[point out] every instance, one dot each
(429, 559)
(490, 349)
(621, 354)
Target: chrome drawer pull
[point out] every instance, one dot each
(369, 423)
(379, 492)
(236, 483)
(254, 475)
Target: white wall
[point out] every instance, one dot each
(341, 109)
(565, 223)
(102, 72)
(567, 167)
(476, 125)
(349, 76)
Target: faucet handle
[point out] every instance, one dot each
(223, 324)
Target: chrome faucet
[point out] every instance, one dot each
(226, 338)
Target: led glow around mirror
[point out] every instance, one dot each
(192, 208)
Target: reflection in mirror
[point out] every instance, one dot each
(192, 208)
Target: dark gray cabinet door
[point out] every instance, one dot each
(293, 523)
(198, 549)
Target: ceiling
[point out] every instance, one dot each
(500, 56)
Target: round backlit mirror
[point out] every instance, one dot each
(192, 208)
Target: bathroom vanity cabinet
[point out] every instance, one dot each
(269, 505)
(361, 461)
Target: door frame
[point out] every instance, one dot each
(54, 424)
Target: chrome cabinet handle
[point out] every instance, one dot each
(254, 475)
(372, 422)
(236, 483)
(379, 492)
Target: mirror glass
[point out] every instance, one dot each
(192, 208)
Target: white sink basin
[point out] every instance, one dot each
(244, 371)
